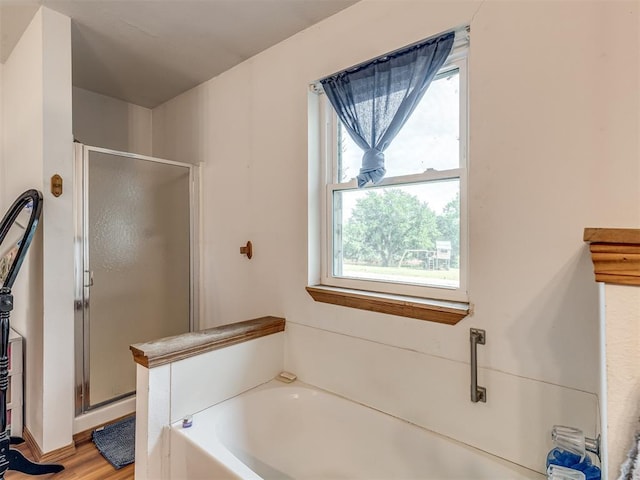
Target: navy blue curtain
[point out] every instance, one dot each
(374, 100)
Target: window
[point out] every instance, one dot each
(407, 235)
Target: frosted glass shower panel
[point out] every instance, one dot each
(138, 263)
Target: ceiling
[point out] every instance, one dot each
(148, 51)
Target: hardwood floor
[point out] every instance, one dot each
(85, 464)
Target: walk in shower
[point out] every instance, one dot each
(135, 264)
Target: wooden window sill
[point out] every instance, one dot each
(430, 310)
(171, 349)
(615, 253)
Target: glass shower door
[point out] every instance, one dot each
(136, 264)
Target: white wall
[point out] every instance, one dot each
(553, 127)
(22, 152)
(107, 122)
(622, 311)
(58, 230)
(169, 392)
(37, 143)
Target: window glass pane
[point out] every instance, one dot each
(407, 234)
(429, 139)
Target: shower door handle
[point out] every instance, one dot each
(88, 278)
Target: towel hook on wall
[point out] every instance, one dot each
(247, 250)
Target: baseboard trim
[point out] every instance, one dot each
(86, 435)
(49, 457)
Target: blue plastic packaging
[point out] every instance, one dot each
(561, 457)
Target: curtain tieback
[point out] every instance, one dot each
(372, 167)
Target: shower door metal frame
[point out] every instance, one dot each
(82, 264)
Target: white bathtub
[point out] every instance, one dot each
(279, 431)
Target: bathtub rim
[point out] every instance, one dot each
(276, 384)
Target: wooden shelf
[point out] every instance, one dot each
(430, 310)
(179, 347)
(615, 253)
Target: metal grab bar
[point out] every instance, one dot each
(476, 336)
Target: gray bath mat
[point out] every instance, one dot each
(116, 442)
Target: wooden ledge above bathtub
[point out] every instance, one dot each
(413, 307)
(615, 253)
(179, 347)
